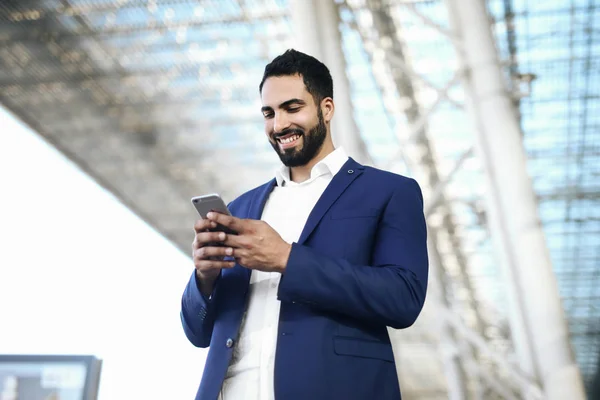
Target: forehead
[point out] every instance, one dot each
(278, 89)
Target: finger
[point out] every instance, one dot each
(240, 254)
(207, 265)
(204, 253)
(203, 225)
(233, 223)
(237, 241)
(204, 238)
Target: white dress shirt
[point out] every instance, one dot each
(250, 373)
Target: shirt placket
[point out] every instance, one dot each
(269, 339)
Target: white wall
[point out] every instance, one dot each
(80, 274)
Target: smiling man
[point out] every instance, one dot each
(327, 255)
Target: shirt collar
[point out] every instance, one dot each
(331, 164)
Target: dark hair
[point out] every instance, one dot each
(315, 74)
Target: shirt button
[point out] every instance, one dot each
(350, 171)
(229, 342)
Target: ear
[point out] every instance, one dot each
(327, 108)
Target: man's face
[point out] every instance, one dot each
(293, 122)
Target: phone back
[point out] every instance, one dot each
(210, 202)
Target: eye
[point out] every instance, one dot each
(293, 110)
(268, 115)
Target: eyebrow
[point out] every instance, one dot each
(285, 104)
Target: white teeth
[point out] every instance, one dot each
(289, 140)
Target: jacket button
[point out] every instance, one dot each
(229, 342)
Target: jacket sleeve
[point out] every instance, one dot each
(391, 291)
(197, 313)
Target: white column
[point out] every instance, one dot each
(513, 206)
(316, 24)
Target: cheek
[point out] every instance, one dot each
(307, 121)
(268, 129)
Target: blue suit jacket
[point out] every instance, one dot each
(359, 266)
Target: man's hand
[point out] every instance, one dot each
(256, 245)
(208, 259)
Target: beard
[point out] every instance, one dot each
(311, 144)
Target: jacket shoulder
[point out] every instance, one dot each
(389, 178)
(394, 184)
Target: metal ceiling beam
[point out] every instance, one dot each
(594, 391)
(467, 341)
(432, 24)
(38, 12)
(149, 43)
(169, 74)
(511, 39)
(417, 121)
(512, 206)
(585, 127)
(437, 195)
(120, 30)
(454, 370)
(515, 373)
(317, 24)
(386, 28)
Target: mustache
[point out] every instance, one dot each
(288, 131)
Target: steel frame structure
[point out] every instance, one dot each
(553, 382)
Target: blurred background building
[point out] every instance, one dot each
(493, 106)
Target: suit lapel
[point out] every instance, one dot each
(255, 210)
(258, 201)
(347, 174)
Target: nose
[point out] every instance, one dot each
(280, 122)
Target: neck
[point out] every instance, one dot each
(302, 173)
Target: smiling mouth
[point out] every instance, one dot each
(288, 141)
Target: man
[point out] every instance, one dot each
(327, 255)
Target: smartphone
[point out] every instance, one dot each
(212, 202)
